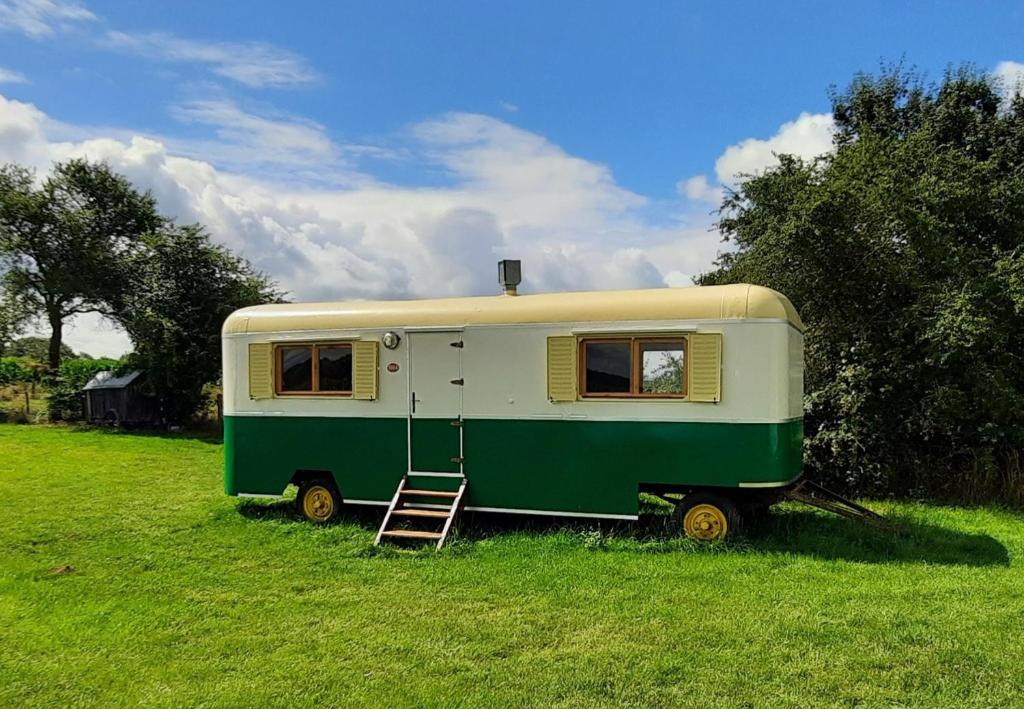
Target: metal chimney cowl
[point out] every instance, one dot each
(510, 275)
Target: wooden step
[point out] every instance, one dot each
(411, 512)
(411, 534)
(429, 493)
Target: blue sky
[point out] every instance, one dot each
(397, 149)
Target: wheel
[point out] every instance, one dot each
(318, 500)
(707, 516)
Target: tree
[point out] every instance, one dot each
(14, 314)
(903, 250)
(62, 242)
(180, 289)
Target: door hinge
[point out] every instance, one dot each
(458, 344)
(457, 423)
(458, 382)
(458, 459)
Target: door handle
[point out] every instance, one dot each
(413, 401)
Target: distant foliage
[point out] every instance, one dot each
(904, 253)
(36, 348)
(67, 401)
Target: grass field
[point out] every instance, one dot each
(178, 595)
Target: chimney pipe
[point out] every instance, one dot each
(510, 275)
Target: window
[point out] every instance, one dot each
(314, 369)
(650, 367)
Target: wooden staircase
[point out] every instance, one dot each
(429, 508)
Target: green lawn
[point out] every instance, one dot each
(182, 596)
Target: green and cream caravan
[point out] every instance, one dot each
(556, 404)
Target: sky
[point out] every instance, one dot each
(399, 149)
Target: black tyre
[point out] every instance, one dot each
(708, 516)
(756, 513)
(318, 500)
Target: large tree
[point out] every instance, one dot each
(62, 241)
(180, 287)
(903, 250)
(14, 314)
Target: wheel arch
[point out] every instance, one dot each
(304, 475)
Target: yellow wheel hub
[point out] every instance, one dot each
(705, 522)
(318, 504)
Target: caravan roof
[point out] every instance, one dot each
(698, 302)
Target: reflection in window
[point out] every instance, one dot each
(335, 368)
(608, 367)
(661, 366)
(296, 368)
(625, 367)
(315, 369)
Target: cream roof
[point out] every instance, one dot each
(696, 303)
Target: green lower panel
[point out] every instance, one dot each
(563, 466)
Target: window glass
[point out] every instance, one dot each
(335, 367)
(608, 367)
(661, 366)
(296, 368)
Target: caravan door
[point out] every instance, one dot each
(435, 401)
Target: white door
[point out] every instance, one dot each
(435, 402)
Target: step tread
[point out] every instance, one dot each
(411, 534)
(433, 474)
(429, 493)
(412, 512)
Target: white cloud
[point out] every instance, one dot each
(808, 136)
(698, 189)
(244, 141)
(1011, 74)
(22, 135)
(8, 76)
(41, 18)
(254, 64)
(510, 193)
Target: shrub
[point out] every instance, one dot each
(15, 370)
(67, 402)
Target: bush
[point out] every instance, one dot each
(15, 370)
(67, 402)
(903, 251)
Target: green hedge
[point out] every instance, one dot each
(67, 401)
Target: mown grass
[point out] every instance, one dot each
(178, 595)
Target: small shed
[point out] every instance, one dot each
(120, 399)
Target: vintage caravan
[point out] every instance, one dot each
(556, 404)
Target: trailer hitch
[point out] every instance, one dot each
(813, 494)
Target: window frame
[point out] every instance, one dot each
(635, 366)
(279, 348)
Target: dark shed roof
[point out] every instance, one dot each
(107, 380)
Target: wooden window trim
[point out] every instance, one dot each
(636, 364)
(315, 353)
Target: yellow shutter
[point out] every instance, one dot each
(364, 369)
(261, 370)
(562, 368)
(705, 379)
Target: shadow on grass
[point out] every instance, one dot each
(784, 531)
(213, 436)
(798, 531)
